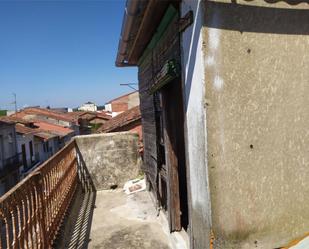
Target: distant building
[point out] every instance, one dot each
(10, 112)
(10, 160)
(37, 140)
(25, 146)
(49, 116)
(89, 106)
(90, 121)
(62, 109)
(122, 103)
(63, 134)
(129, 120)
(44, 145)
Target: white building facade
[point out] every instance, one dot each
(89, 106)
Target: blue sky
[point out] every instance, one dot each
(61, 53)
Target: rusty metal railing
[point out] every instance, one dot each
(32, 212)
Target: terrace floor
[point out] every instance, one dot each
(111, 219)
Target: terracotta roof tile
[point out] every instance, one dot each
(89, 115)
(44, 135)
(24, 129)
(75, 115)
(44, 112)
(53, 129)
(104, 115)
(121, 120)
(13, 119)
(5, 122)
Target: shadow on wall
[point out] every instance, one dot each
(244, 18)
(241, 18)
(77, 225)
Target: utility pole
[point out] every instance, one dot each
(15, 103)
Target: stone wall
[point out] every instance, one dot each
(110, 158)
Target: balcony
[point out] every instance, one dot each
(67, 202)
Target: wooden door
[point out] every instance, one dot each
(173, 117)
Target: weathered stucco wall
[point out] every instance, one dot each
(8, 141)
(133, 100)
(111, 158)
(257, 88)
(25, 139)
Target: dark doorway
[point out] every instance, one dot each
(162, 168)
(1, 151)
(24, 155)
(31, 151)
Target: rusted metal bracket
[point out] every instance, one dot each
(185, 21)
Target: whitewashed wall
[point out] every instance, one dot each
(195, 118)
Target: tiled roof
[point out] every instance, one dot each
(75, 115)
(24, 129)
(120, 97)
(13, 119)
(53, 129)
(44, 135)
(89, 115)
(121, 120)
(43, 129)
(4, 122)
(44, 112)
(104, 115)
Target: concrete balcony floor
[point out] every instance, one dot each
(111, 219)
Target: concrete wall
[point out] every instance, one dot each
(195, 126)
(8, 149)
(108, 107)
(111, 158)
(52, 146)
(25, 139)
(38, 149)
(123, 103)
(49, 120)
(8, 135)
(133, 100)
(257, 88)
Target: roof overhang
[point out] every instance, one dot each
(140, 21)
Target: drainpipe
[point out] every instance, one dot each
(130, 13)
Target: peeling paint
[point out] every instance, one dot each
(218, 82)
(214, 38)
(210, 60)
